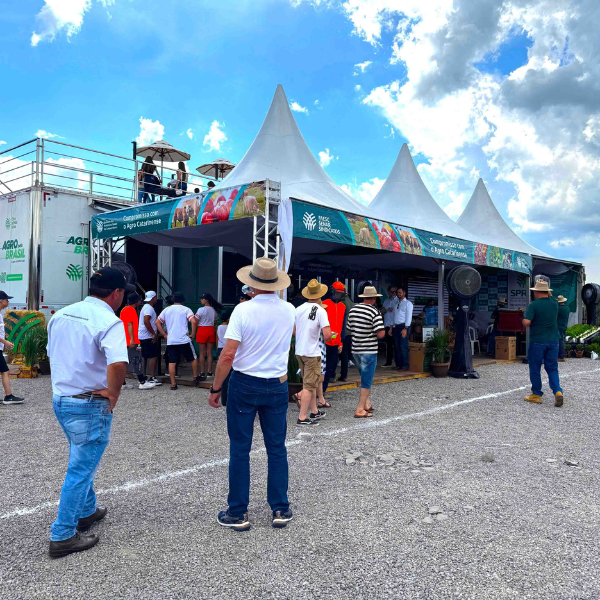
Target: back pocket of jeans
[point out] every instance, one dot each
(78, 427)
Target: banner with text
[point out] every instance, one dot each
(208, 207)
(320, 223)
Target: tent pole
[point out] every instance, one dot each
(220, 276)
(441, 268)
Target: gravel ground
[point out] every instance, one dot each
(521, 526)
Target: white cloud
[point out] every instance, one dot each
(61, 15)
(316, 102)
(190, 133)
(215, 137)
(2, 143)
(366, 191)
(41, 133)
(150, 131)
(297, 108)
(564, 242)
(362, 67)
(358, 87)
(534, 133)
(392, 133)
(326, 157)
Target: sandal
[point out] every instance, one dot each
(365, 416)
(324, 405)
(370, 409)
(297, 398)
(174, 387)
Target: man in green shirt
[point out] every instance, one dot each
(542, 319)
(563, 323)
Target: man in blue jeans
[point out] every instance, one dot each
(88, 359)
(257, 346)
(542, 319)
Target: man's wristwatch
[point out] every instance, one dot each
(213, 391)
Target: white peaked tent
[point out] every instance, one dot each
(405, 200)
(280, 153)
(481, 218)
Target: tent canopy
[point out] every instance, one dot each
(279, 153)
(482, 218)
(405, 199)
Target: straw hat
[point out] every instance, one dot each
(561, 299)
(264, 275)
(541, 286)
(369, 292)
(314, 290)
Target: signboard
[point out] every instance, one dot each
(14, 246)
(209, 207)
(329, 225)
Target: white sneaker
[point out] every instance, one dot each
(147, 385)
(351, 364)
(155, 381)
(127, 386)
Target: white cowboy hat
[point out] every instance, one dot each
(314, 290)
(369, 292)
(561, 298)
(264, 275)
(541, 286)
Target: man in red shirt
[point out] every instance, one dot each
(336, 311)
(130, 320)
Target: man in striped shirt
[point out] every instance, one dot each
(365, 325)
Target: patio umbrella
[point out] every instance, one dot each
(164, 151)
(221, 166)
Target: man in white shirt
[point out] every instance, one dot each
(389, 308)
(402, 320)
(179, 342)
(311, 320)
(257, 347)
(88, 360)
(148, 336)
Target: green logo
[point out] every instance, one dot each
(3, 277)
(81, 244)
(13, 249)
(10, 223)
(74, 272)
(15, 277)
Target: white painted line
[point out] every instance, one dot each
(367, 424)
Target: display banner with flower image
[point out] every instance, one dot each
(320, 223)
(209, 207)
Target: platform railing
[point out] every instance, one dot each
(52, 163)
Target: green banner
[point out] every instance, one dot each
(565, 285)
(321, 223)
(213, 206)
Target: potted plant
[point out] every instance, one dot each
(438, 350)
(579, 351)
(30, 348)
(43, 360)
(294, 379)
(568, 350)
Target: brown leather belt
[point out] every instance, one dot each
(89, 396)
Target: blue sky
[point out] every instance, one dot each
(476, 88)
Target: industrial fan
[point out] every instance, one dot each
(590, 294)
(463, 283)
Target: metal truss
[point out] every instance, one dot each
(265, 235)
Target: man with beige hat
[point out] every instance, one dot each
(311, 319)
(257, 346)
(365, 325)
(563, 324)
(542, 320)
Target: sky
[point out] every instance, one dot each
(506, 91)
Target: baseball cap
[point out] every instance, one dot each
(339, 286)
(133, 298)
(178, 297)
(108, 278)
(4, 296)
(149, 296)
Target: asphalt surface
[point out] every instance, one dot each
(523, 526)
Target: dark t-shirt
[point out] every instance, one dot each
(563, 318)
(543, 314)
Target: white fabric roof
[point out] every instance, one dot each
(482, 218)
(280, 153)
(405, 200)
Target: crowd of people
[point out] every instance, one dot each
(90, 350)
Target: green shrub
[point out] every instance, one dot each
(578, 330)
(438, 346)
(33, 346)
(580, 347)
